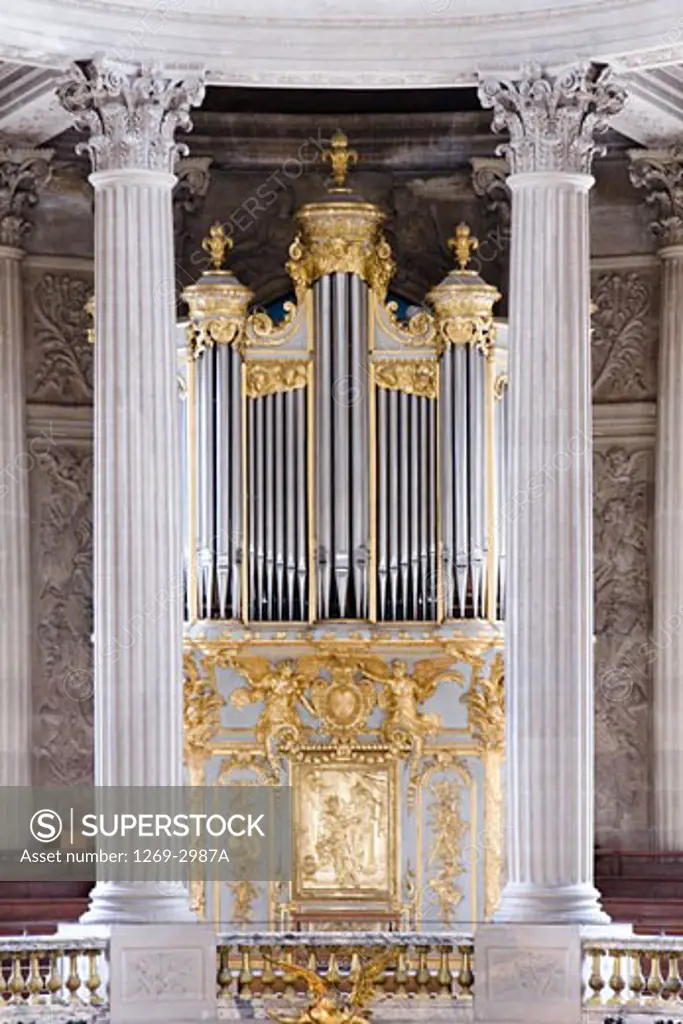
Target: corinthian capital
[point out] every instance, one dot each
(23, 173)
(552, 121)
(660, 171)
(131, 113)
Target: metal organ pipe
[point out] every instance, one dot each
(289, 510)
(430, 560)
(415, 519)
(279, 505)
(205, 483)
(236, 483)
(460, 454)
(359, 451)
(223, 467)
(477, 435)
(406, 506)
(342, 522)
(382, 398)
(300, 515)
(341, 455)
(252, 511)
(323, 443)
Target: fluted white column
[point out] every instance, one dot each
(15, 592)
(549, 628)
(132, 116)
(22, 174)
(661, 173)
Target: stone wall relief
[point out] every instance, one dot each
(624, 492)
(61, 502)
(59, 361)
(625, 333)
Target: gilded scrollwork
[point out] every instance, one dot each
(448, 830)
(337, 237)
(413, 376)
(418, 331)
(243, 895)
(485, 700)
(202, 712)
(270, 376)
(262, 331)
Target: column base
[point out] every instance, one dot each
(562, 904)
(138, 903)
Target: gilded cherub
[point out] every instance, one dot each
(402, 693)
(325, 1007)
(280, 688)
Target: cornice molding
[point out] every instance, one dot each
(632, 423)
(46, 262)
(60, 424)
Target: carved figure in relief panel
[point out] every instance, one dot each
(405, 727)
(280, 688)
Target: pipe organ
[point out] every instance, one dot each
(344, 472)
(344, 463)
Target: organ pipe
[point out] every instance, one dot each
(343, 463)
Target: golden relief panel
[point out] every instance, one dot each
(345, 832)
(394, 807)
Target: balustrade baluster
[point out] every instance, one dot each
(444, 976)
(466, 974)
(73, 982)
(654, 984)
(401, 975)
(54, 981)
(94, 980)
(596, 982)
(616, 981)
(245, 976)
(35, 982)
(672, 985)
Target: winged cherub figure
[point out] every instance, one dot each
(280, 688)
(402, 693)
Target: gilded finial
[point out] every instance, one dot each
(217, 243)
(462, 245)
(340, 157)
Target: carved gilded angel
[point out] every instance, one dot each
(403, 692)
(280, 688)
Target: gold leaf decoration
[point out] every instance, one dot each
(271, 376)
(412, 376)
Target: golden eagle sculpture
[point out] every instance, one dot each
(325, 1006)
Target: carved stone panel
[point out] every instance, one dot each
(61, 538)
(625, 333)
(624, 492)
(59, 361)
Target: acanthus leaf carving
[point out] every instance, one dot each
(23, 173)
(624, 338)
(131, 114)
(61, 360)
(552, 121)
(61, 486)
(660, 172)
